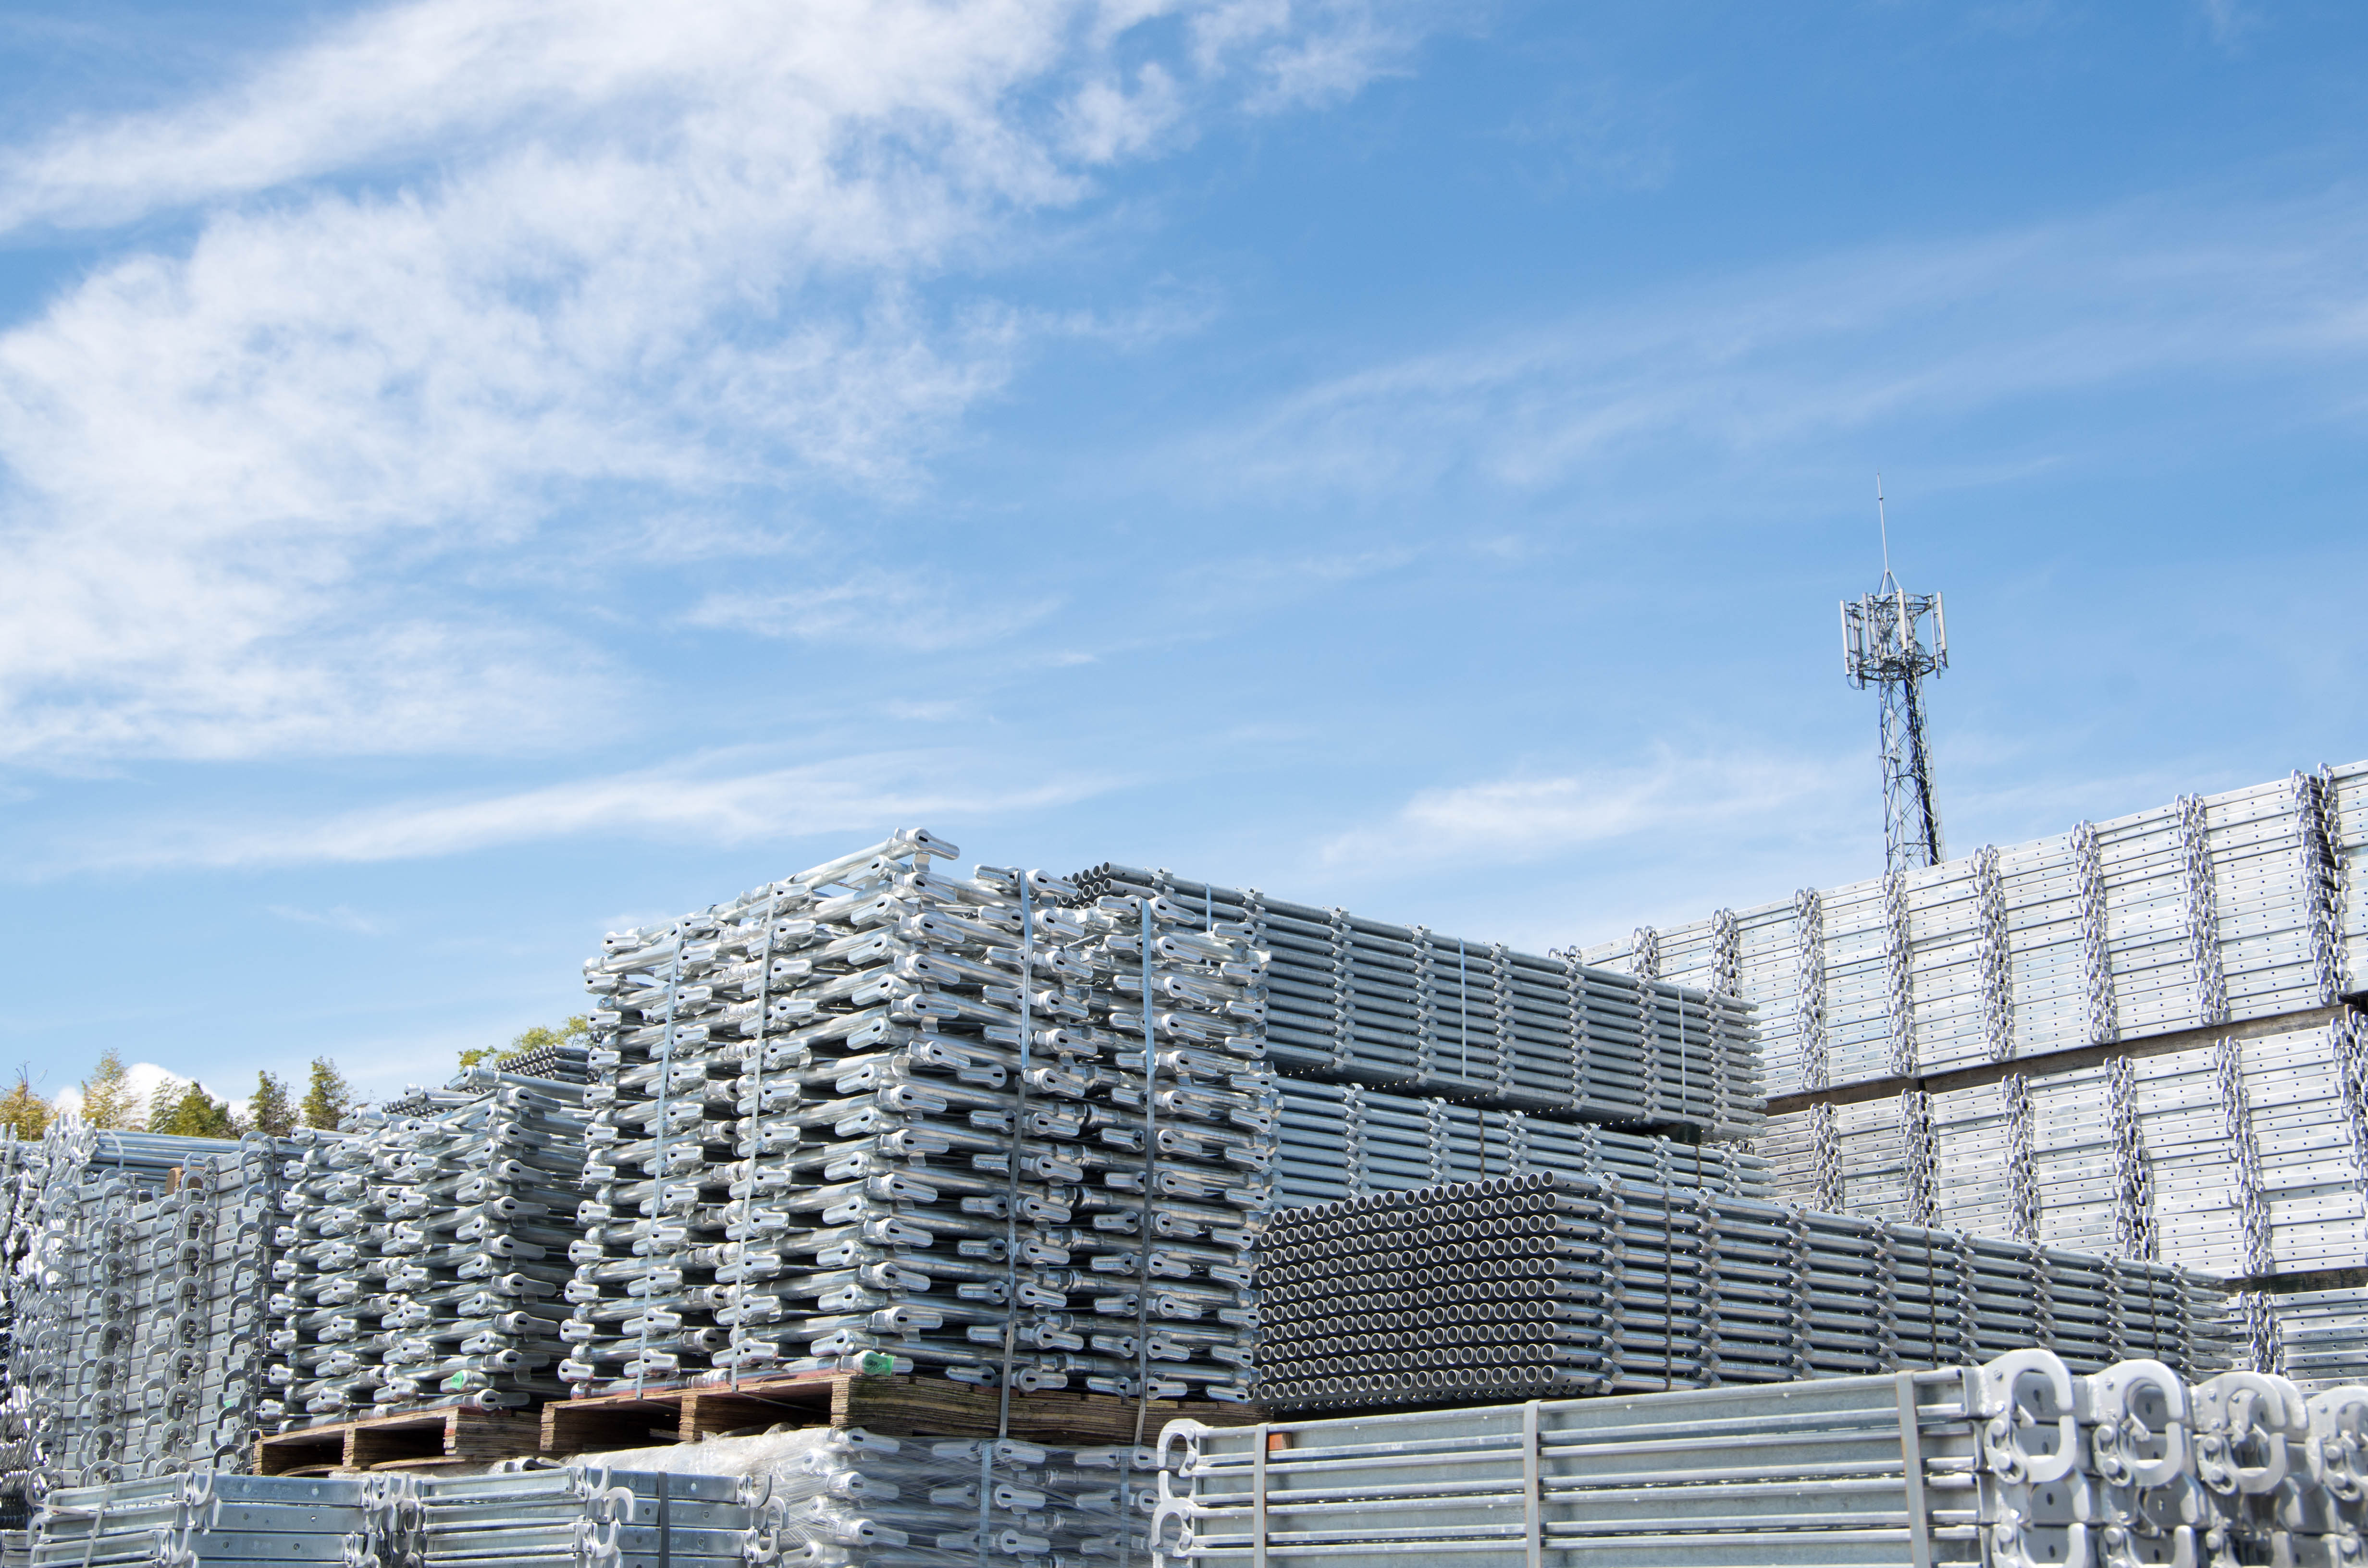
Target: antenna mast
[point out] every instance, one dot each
(1884, 646)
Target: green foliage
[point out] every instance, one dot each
(328, 1097)
(107, 1099)
(24, 1111)
(574, 1031)
(185, 1110)
(269, 1111)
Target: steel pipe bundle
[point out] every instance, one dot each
(1529, 1287)
(1336, 1141)
(428, 1252)
(1358, 1001)
(563, 1062)
(138, 1299)
(2015, 1462)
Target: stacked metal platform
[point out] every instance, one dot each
(323, 1366)
(586, 1516)
(1336, 1141)
(23, 1163)
(1539, 1286)
(847, 1497)
(426, 1252)
(188, 1521)
(874, 1114)
(137, 1296)
(2324, 1337)
(1185, 1114)
(2235, 1158)
(1357, 1000)
(2110, 931)
(2230, 924)
(2018, 1461)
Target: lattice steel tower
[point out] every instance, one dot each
(1884, 646)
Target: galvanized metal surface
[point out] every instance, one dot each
(2014, 1463)
(1338, 1142)
(1357, 1001)
(875, 1116)
(137, 1282)
(426, 1250)
(2099, 938)
(1540, 1286)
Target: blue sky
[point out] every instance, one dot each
(476, 474)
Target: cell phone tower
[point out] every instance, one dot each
(1884, 646)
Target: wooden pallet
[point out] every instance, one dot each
(412, 1440)
(891, 1405)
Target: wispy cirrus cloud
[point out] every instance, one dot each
(448, 273)
(700, 798)
(1811, 352)
(1497, 821)
(910, 609)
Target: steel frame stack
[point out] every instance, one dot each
(805, 1090)
(188, 1521)
(1186, 1117)
(1540, 1286)
(426, 1252)
(2018, 1462)
(1338, 1142)
(323, 1366)
(2092, 936)
(1357, 1000)
(138, 1303)
(583, 1515)
(2234, 1145)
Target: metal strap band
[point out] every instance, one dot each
(1532, 1509)
(1257, 1497)
(1911, 1467)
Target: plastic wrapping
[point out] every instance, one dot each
(845, 1498)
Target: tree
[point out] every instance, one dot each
(24, 1111)
(107, 1099)
(162, 1099)
(268, 1112)
(328, 1097)
(576, 1031)
(185, 1110)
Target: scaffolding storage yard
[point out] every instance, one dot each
(895, 1214)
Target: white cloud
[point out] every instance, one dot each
(688, 800)
(1511, 820)
(143, 1079)
(2229, 20)
(458, 268)
(904, 608)
(1778, 359)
